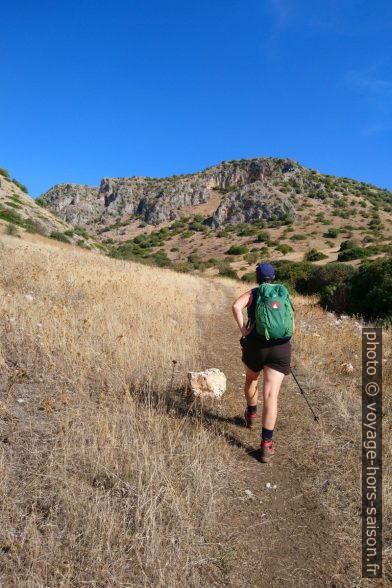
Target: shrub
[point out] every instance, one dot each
(5, 173)
(40, 202)
(20, 186)
(297, 237)
(12, 230)
(187, 234)
(327, 275)
(195, 260)
(284, 248)
(223, 233)
(293, 273)
(371, 290)
(249, 277)
(182, 267)
(69, 233)
(288, 219)
(13, 204)
(332, 233)
(59, 236)
(161, 259)
(81, 231)
(237, 250)
(349, 244)
(263, 237)
(228, 272)
(198, 227)
(353, 253)
(314, 255)
(252, 257)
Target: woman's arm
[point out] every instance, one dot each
(238, 306)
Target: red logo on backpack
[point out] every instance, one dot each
(275, 304)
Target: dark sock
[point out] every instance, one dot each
(252, 408)
(266, 434)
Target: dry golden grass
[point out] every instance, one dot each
(100, 484)
(334, 449)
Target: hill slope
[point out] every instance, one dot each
(249, 189)
(193, 220)
(18, 211)
(110, 476)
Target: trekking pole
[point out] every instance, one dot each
(316, 418)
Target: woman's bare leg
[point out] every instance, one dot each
(271, 386)
(250, 388)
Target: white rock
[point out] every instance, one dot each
(29, 297)
(346, 368)
(208, 384)
(20, 400)
(249, 494)
(268, 484)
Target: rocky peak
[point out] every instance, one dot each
(248, 189)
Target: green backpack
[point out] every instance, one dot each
(274, 311)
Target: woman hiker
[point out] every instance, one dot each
(258, 353)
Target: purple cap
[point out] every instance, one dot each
(266, 270)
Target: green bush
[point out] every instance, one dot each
(284, 248)
(228, 272)
(5, 173)
(371, 290)
(20, 186)
(332, 233)
(182, 267)
(40, 202)
(349, 244)
(78, 230)
(263, 237)
(187, 234)
(237, 250)
(252, 257)
(326, 275)
(12, 230)
(293, 273)
(14, 218)
(368, 292)
(12, 204)
(354, 253)
(161, 259)
(298, 237)
(249, 277)
(195, 260)
(314, 255)
(59, 236)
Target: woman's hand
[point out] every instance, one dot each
(245, 331)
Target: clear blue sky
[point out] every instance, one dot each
(93, 88)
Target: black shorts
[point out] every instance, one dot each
(255, 356)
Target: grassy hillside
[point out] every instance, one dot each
(19, 213)
(98, 481)
(102, 483)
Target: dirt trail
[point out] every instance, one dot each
(282, 536)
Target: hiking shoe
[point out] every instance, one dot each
(266, 451)
(250, 418)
